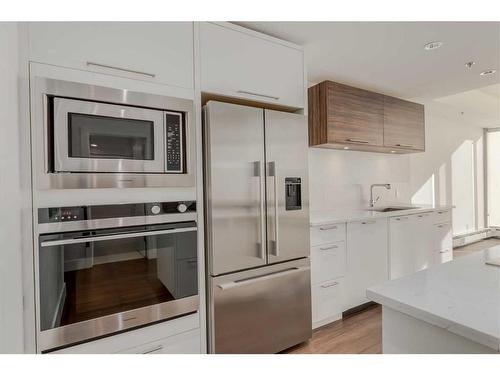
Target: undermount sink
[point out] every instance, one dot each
(390, 209)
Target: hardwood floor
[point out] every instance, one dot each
(357, 334)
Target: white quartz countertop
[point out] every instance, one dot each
(343, 215)
(461, 296)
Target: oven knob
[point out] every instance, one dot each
(155, 210)
(182, 207)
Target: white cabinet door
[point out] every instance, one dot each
(239, 64)
(423, 240)
(443, 238)
(411, 242)
(328, 301)
(367, 258)
(401, 238)
(159, 52)
(328, 261)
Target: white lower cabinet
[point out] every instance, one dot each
(181, 336)
(328, 301)
(328, 262)
(184, 343)
(367, 262)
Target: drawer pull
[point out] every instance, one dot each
(403, 145)
(257, 94)
(352, 140)
(328, 228)
(329, 247)
(402, 218)
(368, 222)
(155, 349)
(90, 63)
(443, 251)
(335, 283)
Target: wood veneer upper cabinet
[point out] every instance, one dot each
(404, 124)
(346, 115)
(342, 116)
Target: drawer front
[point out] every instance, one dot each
(325, 234)
(328, 262)
(443, 256)
(328, 299)
(185, 343)
(443, 238)
(442, 216)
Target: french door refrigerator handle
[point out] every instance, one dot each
(267, 276)
(71, 241)
(262, 210)
(273, 171)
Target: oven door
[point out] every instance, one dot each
(99, 137)
(96, 283)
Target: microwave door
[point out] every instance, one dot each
(99, 137)
(287, 186)
(234, 178)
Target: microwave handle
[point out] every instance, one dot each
(71, 241)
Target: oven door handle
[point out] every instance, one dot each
(71, 241)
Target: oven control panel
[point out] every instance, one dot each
(175, 152)
(108, 211)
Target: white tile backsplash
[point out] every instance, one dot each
(343, 178)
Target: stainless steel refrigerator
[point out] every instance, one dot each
(257, 228)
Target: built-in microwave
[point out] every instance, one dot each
(93, 137)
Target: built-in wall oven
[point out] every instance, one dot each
(93, 137)
(105, 269)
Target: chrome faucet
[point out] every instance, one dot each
(373, 201)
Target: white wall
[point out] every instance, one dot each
(343, 178)
(11, 307)
(450, 171)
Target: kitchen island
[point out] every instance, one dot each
(448, 308)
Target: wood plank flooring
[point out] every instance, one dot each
(362, 333)
(357, 334)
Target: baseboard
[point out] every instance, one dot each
(469, 238)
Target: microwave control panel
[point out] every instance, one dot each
(175, 152)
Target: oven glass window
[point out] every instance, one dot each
(102, 137)
(86, 280)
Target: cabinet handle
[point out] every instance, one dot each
(368, 222)
(329, 247)
(443, 251)
(257, 94)
(442, 212)
(328, 228)
(90, 63)
(403, 145)
(155, 349)
(352, 140)
(330, 285)
(402, 218)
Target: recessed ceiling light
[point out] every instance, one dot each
(469, 64)
(488, 72)
(393, 152)
(433, 45)
(346, 148)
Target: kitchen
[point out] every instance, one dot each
(186, 196)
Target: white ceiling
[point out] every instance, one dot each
(389, 57)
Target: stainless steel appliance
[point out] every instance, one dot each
(92, 136)
(104, 269)
(257, 228)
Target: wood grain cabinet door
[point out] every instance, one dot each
(404, 124)
(354, 116)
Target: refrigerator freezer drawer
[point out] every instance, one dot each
(261, 311)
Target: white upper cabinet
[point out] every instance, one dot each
(160, 52)
(244, 64)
